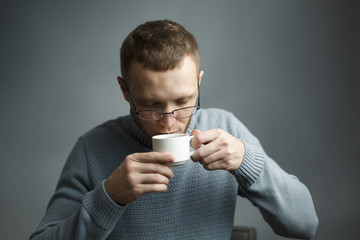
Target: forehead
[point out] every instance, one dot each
(148, 83)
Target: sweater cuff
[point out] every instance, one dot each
(102, 208)
(252, 165)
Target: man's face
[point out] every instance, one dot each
(164, 91)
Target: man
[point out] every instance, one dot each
(114, 187)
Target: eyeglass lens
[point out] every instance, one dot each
(178, 113)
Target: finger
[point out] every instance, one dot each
(221, 160)
(195, 131)
(150, 188)
(154, 178)
(204, 138)
(220, 164)
(192, 142)
(205, 151)
(212, 158)
(157, 168)
(153, 157)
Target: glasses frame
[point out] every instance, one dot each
(196, 107)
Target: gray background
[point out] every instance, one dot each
(288, 69)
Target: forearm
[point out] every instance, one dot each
(78, 210)
(282, 199)
(95, 218)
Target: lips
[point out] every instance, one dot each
(167, 132)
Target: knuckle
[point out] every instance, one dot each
(137, 191)
(203, 162)
(171, 172)
(163, 188)
(224, 142)
(159, 178)
(167, 172)
(129, 168)
(228, 162)
(169, 175)
(166, 181)
(208, 167)
(130, 179)
(200, 155)
(218, 130)
(158, 188)
(129, 160)
(130, 157)
(227, 154)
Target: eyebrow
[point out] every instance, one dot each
(153, 101)
(182, 98)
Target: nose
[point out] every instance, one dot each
(168, 120)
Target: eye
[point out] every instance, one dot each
(149, 105)
(182, 101)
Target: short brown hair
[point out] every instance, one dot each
(158, 45)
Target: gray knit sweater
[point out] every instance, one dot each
(198, 204)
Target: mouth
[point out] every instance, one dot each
(159, 133)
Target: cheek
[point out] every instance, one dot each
(184, 124)
(148, 126)
(183, 121)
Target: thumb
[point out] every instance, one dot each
(195, 144)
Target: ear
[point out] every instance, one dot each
(200, 76)
(123, 88)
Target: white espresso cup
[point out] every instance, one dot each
(176, 144)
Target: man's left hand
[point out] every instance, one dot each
(217, 149)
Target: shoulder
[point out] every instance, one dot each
(218, 118)
(215, 118)
(107, 129)
(216, 113)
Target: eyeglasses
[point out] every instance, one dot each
(155, 115)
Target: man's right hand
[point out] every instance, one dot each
(138, 174)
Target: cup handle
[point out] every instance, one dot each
(191, 153)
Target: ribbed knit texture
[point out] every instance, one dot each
(198, 204)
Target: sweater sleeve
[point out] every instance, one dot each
(284, 202)
(76, 211)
